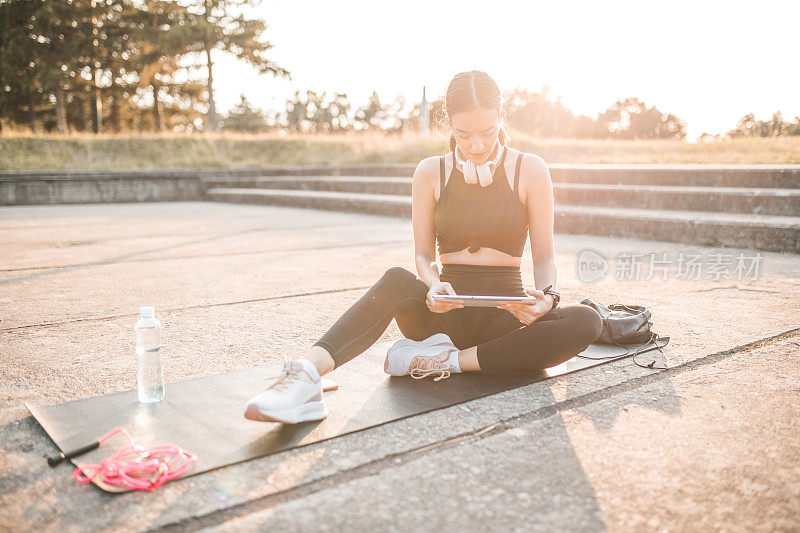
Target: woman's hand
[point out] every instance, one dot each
(529, 313)
(440, 306)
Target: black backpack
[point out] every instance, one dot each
(624, 325)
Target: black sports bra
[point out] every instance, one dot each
(470, 216)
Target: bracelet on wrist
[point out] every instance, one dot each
(555, 295)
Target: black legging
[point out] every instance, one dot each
(503, 342)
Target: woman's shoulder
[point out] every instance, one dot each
(533, 174)
(529, 159)
(428, 168)
(427, 171)
(531, 165)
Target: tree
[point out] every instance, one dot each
(57, 45)
(317, 114)
(630, 118)
(17, 69)
(538, 114)
(58, 56)
(44, 53)
(338, 111)
(168, 34)
(223, 27)
(373, 114)
(245, 117)
(748, 126)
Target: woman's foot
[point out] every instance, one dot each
(434, 356)
(296, 396)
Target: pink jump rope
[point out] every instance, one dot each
(134, 466)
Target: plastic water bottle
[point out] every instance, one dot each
(148, 351)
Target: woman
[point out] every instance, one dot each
(478, 201)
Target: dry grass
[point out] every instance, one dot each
(19, 151)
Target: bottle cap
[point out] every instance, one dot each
(147, 312)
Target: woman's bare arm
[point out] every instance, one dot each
(422, 204)
(539, 197)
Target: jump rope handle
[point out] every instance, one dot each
(61, 457)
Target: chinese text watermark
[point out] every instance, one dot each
(592, 266)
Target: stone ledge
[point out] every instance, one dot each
(74, 186)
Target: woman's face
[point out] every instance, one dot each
(475, 132)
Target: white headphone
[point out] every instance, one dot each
(479, 173)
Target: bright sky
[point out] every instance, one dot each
(707, 61)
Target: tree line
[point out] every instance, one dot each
(146, 65)
(748, 126)
(117, 65)
(527, 111)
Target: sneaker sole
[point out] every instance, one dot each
(304, 413)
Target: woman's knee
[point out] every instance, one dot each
(397, 273)
(585, 322)
(401, 282)
(399, 276)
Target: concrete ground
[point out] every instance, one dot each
(709, 443)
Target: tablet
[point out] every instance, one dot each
(483, 301)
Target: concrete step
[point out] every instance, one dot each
(358, 184)
(761, 201)
(761, 232)
(781, 176)
(156, 185)
(375, 204)
(764, 201)
(759, 176)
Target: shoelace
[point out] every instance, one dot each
(137, 467)
(423, 366)
(285, 379)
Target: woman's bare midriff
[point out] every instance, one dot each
(484, 256)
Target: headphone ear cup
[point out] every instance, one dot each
(470, 173)
(484, 174)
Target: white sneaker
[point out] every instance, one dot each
(293, 398)
(423, 358)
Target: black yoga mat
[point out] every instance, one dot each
(205, 415)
